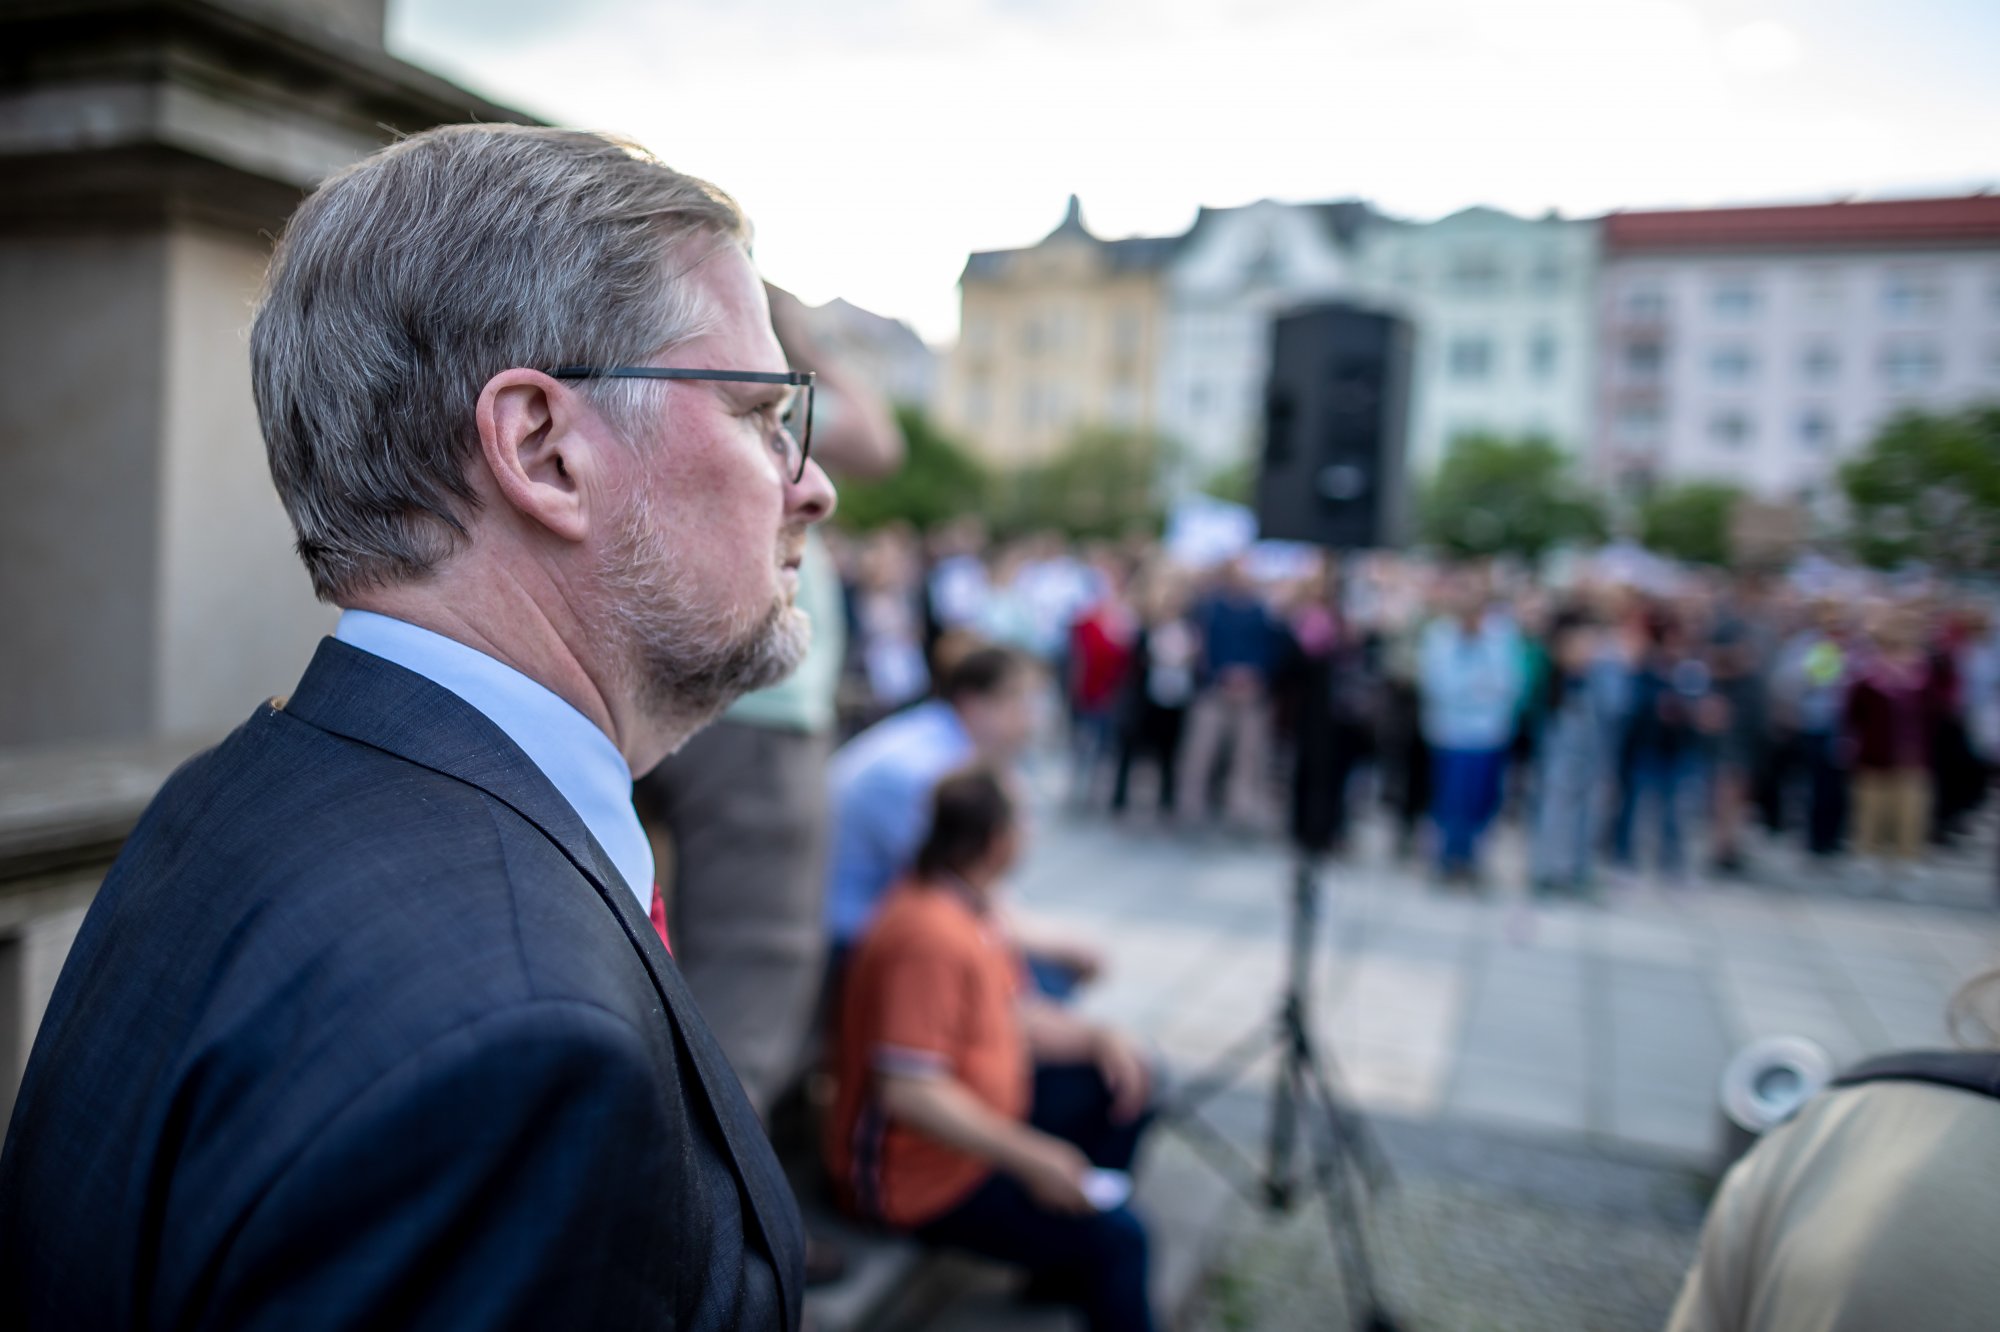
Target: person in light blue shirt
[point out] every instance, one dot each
(882, 779)
(1469, 666)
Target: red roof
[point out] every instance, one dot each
(1967, 218)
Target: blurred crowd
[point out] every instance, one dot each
(1634, 726)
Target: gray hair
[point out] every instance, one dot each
(410, 279)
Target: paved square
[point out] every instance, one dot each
(1608, 1023)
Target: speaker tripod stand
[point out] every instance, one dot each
(1346, 1163)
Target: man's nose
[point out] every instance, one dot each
(811, 498)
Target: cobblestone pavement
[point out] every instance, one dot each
(1543, 1075)
(1482, 1230)
(1605, 1023)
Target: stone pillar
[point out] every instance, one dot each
(149, 149)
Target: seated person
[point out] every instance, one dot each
(882, 779)
(1873, 1209)
(972, 1111)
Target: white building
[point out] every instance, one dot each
(1762, 346)
(1234, 270)
(1504, 310)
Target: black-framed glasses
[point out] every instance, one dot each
(795, 418)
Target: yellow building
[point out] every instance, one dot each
(1055, 338)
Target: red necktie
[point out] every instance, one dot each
(659, 914)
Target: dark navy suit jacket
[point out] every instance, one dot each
(365, 1031)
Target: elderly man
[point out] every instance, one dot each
(369, 1027)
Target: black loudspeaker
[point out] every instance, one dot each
(1334, 417)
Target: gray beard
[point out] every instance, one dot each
(686, 665)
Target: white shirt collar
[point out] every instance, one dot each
(578, 759)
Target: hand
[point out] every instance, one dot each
(1079, 959)
(1125, 1074)
(1053, 1171)
(791, 321)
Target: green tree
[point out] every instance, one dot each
(937, 482)
(1690, 521)
(1928, 488)
(1105, 483)
(1236, 483)
(1495, 496)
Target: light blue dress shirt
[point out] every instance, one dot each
(882, 781)
(578, 759)
(1471, 683)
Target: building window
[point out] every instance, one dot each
(1547, 274)
(1823, 289)
(1542, 355)
(1820, 363)
(1640, 420)
(1913, 293)
(1730, 428)
(1646, 359)
(1266, 264)
(978, 404)
(1475, 272)
(1032, 337)
(1060, 406)
(1470, 358)
(1734, 298)
(1732, 365)
(1125, 333)
(1645, 305)
(978, 334)
(1815, 429)
(1912, 364)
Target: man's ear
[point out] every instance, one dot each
(530, 439)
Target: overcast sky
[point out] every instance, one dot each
(875, 142)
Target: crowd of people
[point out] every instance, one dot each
(1623, 719)
(1625, 722)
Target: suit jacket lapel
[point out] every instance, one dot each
(360, 696)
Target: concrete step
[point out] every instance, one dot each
(894, 1285)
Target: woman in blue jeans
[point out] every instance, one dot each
(1094, 1260)
(1660, 755)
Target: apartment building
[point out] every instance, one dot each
(1055, 337)
(1230, 275)
(1762, 346)
(1504, 312)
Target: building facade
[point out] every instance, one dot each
(1504, 313)
(1056, 338)
(1172, 334)
(1230, 275)
(1762, 346)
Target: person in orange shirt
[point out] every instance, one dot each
(973, 1113)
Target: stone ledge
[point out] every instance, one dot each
(71, 806)
(137, 109)
(894, 1285)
